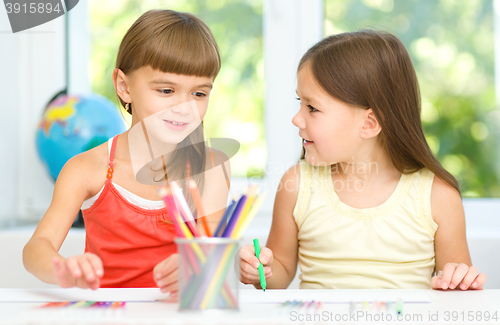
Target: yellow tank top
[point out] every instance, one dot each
(385, 247)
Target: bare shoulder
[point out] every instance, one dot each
(446, 202)
(290, 180)
(88, 169)
(288, 190)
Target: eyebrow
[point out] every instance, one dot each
(166, 82)
(303, 97)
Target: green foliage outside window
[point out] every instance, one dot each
(451, 45)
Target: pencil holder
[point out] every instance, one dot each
(207, 276)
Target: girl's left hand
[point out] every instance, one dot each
(165, 275)
(458, 276)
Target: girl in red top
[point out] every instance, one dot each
(165, 59)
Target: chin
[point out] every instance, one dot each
(315, 162)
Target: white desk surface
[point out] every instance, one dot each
(451, 307)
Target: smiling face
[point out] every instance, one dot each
(170, 105)
(330, 128)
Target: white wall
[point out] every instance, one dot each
(32, 70)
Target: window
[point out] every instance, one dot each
(452, 47)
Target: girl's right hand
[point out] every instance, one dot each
(249, 273)
(82, 271)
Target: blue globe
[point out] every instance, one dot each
(73, 124)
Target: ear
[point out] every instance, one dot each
(371, 127)
(121, 83)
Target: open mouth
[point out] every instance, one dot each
(175, 123)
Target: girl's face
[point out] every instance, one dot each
(330, 128)
(170, 105)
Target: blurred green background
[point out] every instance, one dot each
(451, 44)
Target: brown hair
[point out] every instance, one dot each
(372, 69)
(169, 41)
(180, 43)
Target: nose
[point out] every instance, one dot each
(181, 108)
(298, 121)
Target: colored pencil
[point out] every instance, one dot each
(199, 206)
(249, 217)
(234, 217)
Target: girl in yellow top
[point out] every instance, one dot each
(368, 205)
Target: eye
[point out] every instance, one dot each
(199, 94)
(312, 109)
(166, 91)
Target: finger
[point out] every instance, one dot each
(172, 297)
(58, 265)
(469, 278)
(458, 275)
(248, 278)
(96, 263)
(434, 282)
(62, 274)
(448, 270)
(247, 254)
(479, 282)
(245, 267)
(96, 284)
(73, 267)
(82, 283)
(168, 280)
(166, 267)
(266, 256)
(169, 288)
(87, 270)
(250, 275)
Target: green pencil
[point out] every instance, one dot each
(261, 267)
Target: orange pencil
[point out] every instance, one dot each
(211, 155)
(199, 206)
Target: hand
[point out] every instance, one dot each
(82, 271)
(166, 273)
(249, 274)
(460, 276)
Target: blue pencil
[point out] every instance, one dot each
(234, 217)
(224, 218)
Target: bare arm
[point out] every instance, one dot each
(69, 193)
(281, 252)
(450, 242)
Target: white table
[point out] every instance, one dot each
(452, 307)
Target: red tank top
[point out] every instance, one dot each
(130, 240)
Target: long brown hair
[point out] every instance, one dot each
(180, 43)
(372, 69)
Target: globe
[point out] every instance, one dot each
(73, 124)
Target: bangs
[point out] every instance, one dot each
(182, 48)
(171, 42)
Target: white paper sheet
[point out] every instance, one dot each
(333, 296)
(76, 294)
